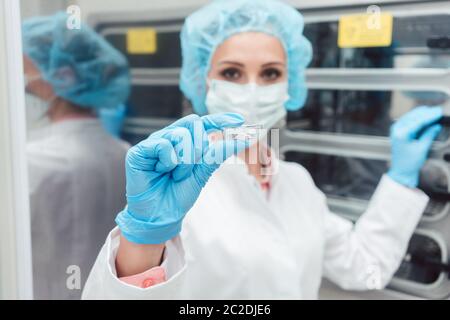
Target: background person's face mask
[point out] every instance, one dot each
(36, 111)
(262, 105)
(36, 108)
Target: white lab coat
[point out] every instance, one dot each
(238, 244)
(77, 185)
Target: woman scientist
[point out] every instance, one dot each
(75, 167)
(248, 235)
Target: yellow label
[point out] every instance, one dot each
(141, 41)
(365, 30)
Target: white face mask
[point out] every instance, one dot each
(36, 107)
(262, 105)
(36, 111)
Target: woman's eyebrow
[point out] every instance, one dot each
(273, 63)
(231, 62)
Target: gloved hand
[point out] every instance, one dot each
(166, 172)
(410, 151)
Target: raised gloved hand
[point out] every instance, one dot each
(166, 172)
(411, 139)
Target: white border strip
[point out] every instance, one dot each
(19, 184)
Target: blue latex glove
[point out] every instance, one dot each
(409, 152)
(166, 172)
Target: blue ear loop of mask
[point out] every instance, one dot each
(113, 119)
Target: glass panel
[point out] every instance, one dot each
(420, 250)
(77, 146)
(410, 45)
(75, 161)
(341, 176)
(350, 178)
(167, 54)
(164, 101)
(133, 138)
(360, 112)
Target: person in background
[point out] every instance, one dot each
(75, 167)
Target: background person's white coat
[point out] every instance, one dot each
(77, 185)
(236, 244)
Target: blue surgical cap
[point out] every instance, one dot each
(82, 67)
(207, 28)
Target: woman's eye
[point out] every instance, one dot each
(231, 74)
(271, 74)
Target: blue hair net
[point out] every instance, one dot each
(81, 66)
(207, 28)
